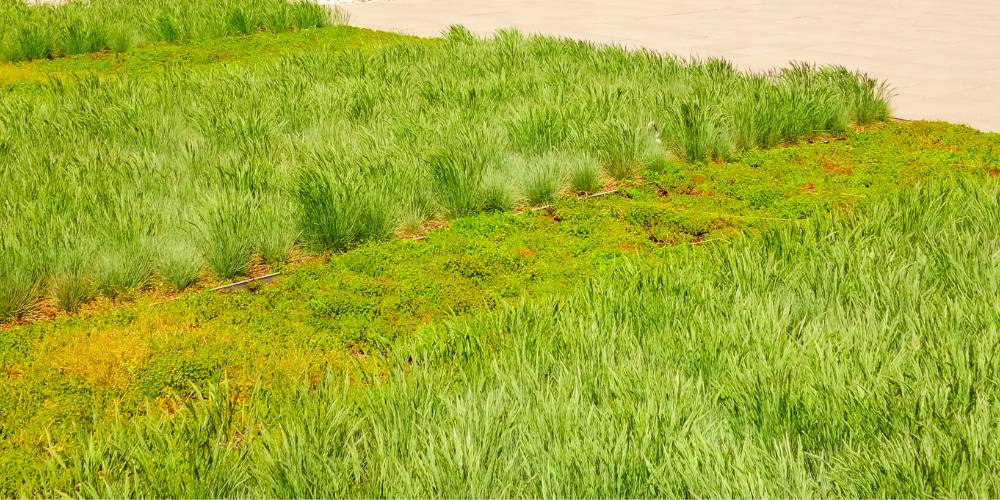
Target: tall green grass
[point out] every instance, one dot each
(326, 150)
(42, 30)
(848, 356)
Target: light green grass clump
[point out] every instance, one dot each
(53, 29)
(847, 356)
(332, 148)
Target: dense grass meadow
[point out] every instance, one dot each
(846, 355)
(775, 291)
(54, 29)
(177, 174)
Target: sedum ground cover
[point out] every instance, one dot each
(185, 172)
(812, 318)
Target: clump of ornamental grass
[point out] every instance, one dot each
(457, 178)
(539, 130)
(226, 233)
(327, 207)
(584, 173)
(339, 209)
(123, 270)
(868, 98)
(178, 262)
(416, 206)
(276, 230)
(299, 14)
(695, 131)
(457, 33)
(72, 282)
(624, 149)
(167, 27)
(497, 192)
(378, 210)
(543, 178)
(19, 285)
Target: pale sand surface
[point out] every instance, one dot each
(942, 58)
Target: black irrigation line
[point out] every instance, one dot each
(229, 288)
(594, 195)
(536, 209)
(267, 278)
(239, 285)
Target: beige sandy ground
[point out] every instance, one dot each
(942, 57)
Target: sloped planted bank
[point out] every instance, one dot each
(847, 356)
(185, 171)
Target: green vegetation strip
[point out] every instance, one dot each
(637, 340)
(351, 316)
(48, 29)
(847, 356)
(151, 61)
(187, 173)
